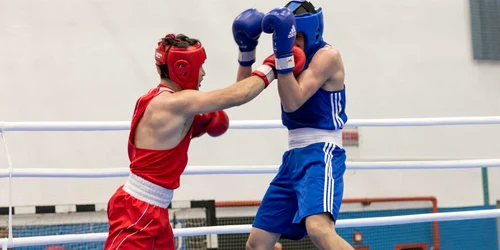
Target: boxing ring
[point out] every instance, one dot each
(11, 172)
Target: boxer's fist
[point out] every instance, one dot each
(247, 28)
(281, 23)
(219, 123)
(200, 123)
(268, 72)
(213, 123)
(299, 60)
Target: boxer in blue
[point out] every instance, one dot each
(305, 196)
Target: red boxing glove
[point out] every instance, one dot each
(213, 123)
(267, 71)
(219, 123)
(200, 123)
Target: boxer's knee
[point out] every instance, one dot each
(321, 230)
(320, 225)
(261, 240)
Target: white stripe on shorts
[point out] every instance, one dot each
(328, 185)
(133, 224)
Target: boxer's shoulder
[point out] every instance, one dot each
(327, 64)
(327, 55)
(170, 101)
(326, 59)
(162, 107)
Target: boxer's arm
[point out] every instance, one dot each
(190, 102)
(295, 92)
(243, 72)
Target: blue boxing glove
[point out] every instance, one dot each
(281, 23)
(247, 28)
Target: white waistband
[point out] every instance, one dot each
(302, 137)
(148, 192)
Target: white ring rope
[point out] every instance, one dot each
(250, 124)
(265, 169)
(259, 169)
(347, 223)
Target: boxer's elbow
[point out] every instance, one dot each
(290, 103)
(290, 107)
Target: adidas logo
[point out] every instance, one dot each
(293, 32)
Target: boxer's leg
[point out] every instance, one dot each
(319, 185)
(165, 240)
(132, 223)
(276, 211)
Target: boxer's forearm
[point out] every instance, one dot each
(247, 89)
(290, 92)
(243, 72)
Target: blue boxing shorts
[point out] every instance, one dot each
(309, 181)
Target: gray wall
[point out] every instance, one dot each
(89, 60)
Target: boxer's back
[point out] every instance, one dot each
(161, 156)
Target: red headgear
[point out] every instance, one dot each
(181, 65)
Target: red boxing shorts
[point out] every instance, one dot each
(138, 217)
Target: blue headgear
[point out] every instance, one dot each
(309, 24)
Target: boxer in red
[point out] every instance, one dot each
(163, 123)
